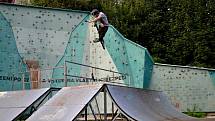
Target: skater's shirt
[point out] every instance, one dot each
(103, 19)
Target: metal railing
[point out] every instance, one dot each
(66, 75)
(104, 79)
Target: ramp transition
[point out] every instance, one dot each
(146, 105)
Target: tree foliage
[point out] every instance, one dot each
(178, 32)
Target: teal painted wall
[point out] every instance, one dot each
(129, 58)
(11, 64)
(212, 75)
(74, 52)
(148, 70)
(42, 35)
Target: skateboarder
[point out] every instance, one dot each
(101, 18)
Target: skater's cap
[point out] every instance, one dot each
(94, 11)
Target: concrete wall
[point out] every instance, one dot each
(186, 86)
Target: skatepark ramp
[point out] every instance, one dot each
(19, 105)
(66, 104)
(146, 105)
(76, 103)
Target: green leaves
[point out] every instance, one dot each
(195, 112)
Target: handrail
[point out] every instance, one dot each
(79, 77)
(96, 67)
(65, 74)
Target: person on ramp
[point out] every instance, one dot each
(101, 18)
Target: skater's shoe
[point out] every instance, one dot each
(96, 40)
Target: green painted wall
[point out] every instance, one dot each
(11, 64)
(129, 58)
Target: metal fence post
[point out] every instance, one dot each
(65, 74)
(23, 81)
(85, 114)
(129, 80)
(105, 104)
